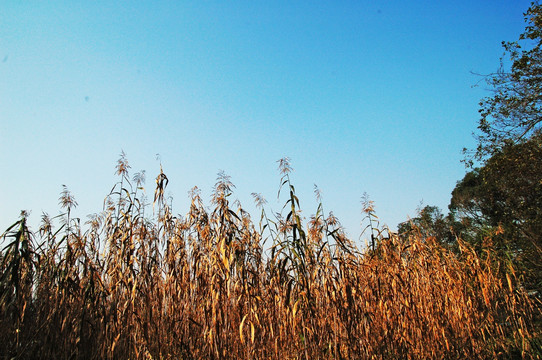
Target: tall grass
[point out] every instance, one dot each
(134, 283)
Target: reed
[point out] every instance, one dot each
(131, 283)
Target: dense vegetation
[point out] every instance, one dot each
(135, 282)
(138, 285)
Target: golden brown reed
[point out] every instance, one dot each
(202, 287)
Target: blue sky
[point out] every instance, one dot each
(363, 96)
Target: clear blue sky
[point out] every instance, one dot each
(363, 96)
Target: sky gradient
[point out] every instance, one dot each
(363, 96)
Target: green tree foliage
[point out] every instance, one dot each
(430, 222)
(502, 198)
(500, 201)
(505, 196)
(512, 113)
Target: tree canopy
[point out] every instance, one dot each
(505, 194)
(512, 113)
(500, 198)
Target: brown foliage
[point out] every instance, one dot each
(202, 287)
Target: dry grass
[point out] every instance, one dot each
(201, 286)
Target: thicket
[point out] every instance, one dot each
(141, 283)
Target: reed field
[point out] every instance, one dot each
(138, 282)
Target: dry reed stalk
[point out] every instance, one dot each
(202, 286)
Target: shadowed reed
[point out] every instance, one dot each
(134, 283)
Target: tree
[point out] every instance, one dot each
(501, 199)
(430, 222)
(505, 196)
(512, 114)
